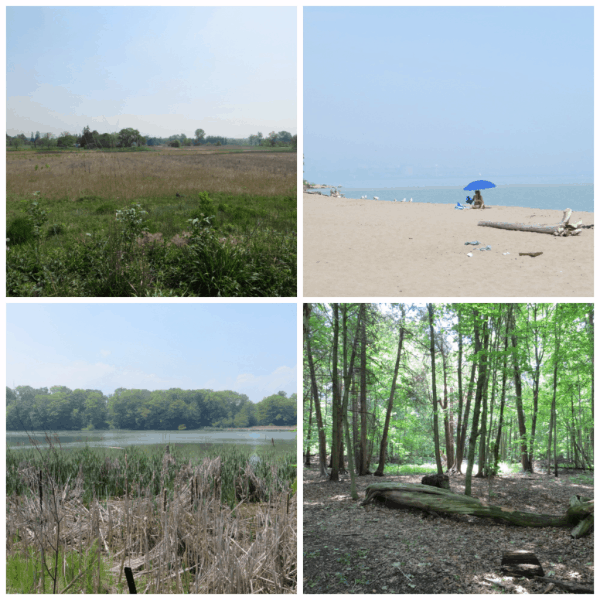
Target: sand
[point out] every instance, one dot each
(369, 248)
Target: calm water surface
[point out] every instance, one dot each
(578, 197)
(122, 438)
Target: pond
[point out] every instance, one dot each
(121, 438)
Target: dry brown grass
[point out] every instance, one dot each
(134, 175)
(190, 543)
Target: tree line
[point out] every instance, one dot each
(60, 409)
(464, 385)
(129, 138)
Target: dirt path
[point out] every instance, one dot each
(374, 549)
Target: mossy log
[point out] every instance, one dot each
(564, 228)
(429, 498)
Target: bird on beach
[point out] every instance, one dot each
(410, 200)
(395, 200)
(404, 200)
(375, 198)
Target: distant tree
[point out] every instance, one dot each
(284, 136)
(86, 138)
(16, 141)
(49, 140)
(129, 136)
(199, 135)
(175, 144)
(66, 141)
(295, 142)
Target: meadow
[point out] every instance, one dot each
(218, 221)
(198, 518)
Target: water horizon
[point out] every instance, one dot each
(553, 196)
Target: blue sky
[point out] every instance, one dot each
(230, 71)
(247, 348)
(447, 94)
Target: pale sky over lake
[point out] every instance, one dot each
(499, 93)
(164, 71)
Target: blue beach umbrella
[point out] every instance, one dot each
(480, 184)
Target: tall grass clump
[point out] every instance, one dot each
(185, 520)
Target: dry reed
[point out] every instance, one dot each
(184, 541)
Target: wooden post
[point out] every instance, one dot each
(41, 493)
(130, 581)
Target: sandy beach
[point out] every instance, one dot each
(396, 249)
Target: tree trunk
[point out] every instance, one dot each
(362, 469)
(307, 460)
(436, 434)
(460, 445)
(482, 360)
(539, 356)
(315, 390)
(448, 433)
(458, 465)
(503, 398)
(335, 402)
(381, 465)
(519, 395)
(347, 378)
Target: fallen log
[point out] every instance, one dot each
(428, 498)
(574, 588)
(564, 228)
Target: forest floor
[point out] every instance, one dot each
(350, 549)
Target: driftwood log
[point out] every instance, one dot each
(428, 498)
(564, 228)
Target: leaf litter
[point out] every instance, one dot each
(349, 549)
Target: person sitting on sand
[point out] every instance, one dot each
(478, 200)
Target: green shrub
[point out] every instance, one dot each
(206, 208)
(20, 231)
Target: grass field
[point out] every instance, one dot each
(194, 222)
(186, 519)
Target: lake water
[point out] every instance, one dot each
(578, 197)
(122, 438)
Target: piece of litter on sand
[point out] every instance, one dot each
(475, 243)
(505, 253)
(534, 254)
(485, 248)
(470, 254)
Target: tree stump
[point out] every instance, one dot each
(439, 481)
(521, 564)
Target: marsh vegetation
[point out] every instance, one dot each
(198, 221)
(186, 519)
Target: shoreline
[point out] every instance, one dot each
(370, 248)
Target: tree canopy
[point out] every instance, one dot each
(59, 408)
(479, 383)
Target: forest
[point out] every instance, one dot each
(60, 409)
(466, 433)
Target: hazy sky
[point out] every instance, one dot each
(247, 348)
(500, 93)
(164, 71)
